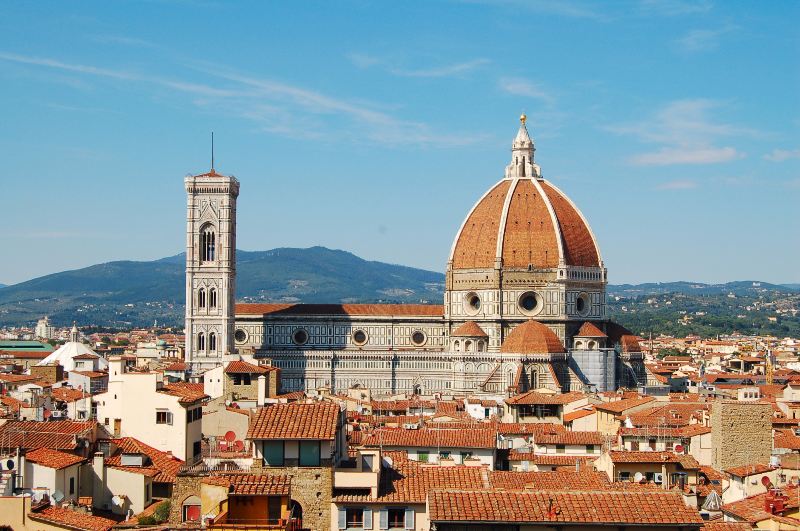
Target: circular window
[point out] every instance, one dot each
(418, 338)
(472, 303)
(582, 304)
(240, 336)
(300, 337)
(359, 337)
(530, 303)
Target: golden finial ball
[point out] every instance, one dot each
(522, 118)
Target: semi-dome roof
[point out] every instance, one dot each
(469, 329)
(524, 221)
(532, 337)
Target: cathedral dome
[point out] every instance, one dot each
(532, 337)
(524, 222)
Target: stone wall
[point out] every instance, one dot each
(741, 433)
(312, 488)
(185, 486)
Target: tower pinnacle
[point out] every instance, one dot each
(522, 151)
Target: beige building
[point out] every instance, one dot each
(141, 405)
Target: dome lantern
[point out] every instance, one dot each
(522, 152)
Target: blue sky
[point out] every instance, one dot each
(374, 126)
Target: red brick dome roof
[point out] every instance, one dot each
(469, 329)
(524, 222)
(532, 337)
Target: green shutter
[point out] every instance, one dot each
(273, 453)
(309, 453)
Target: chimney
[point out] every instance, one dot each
(262, 390)
(98, 480)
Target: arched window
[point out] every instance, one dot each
(201, 298)
(201, 341)
(208, 244)
(467, 346)
(212, 341)
(480, 346)
(457, 345)
(212, 298)
(533, 379)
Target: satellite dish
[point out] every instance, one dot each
(638, 477)
(58, 496)
(117, 500)
(230, 436)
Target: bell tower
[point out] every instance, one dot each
(210, 267)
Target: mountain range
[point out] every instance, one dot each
(127, 293)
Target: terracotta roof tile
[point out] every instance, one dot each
(578, 414)
(751, 509)
(620, 406)
(589, 330)
(66, 518)
(187, 392)
(536, 398)
(318, 420)
(579, 247)
(53, 458)
(57, 435)
(570, 438)
(603, 507)
(749, 470)
(532, 337)
(242, 367)
(551, 480)
(431, 438)
(252, 484)
(469, 329)
(68, 394)
(163, 467)
(529, 237)
(686, 461)
(477, 242)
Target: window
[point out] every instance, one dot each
(367, 462)
(240, 336)
(212, 341)
(147, 492)
(208, 244)
(444, 455)
(396, 517)
(590, 449)
(418, 338)
(309, 453)
(201, 298)
(473, 303)
(212, 298)
(624, 476)
(300, 337)
(465, 456)
(530, 303)
(163, 417)
(241, 379)
(72, 485)
(487, 413)
(195, 448)
(355, 518)
(274, 509)
(273, 453)
(359, 337)
(560, 449)
(423, 456)
(201, 342)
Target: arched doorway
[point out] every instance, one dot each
(190, 509)
(295, 516)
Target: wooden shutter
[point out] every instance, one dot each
(409, 518)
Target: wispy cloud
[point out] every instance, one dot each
(564, 8)
(275, 106)
(679, 184)
(702, 40)
(525, 88)
(673, 8)
(687, 132)
(779, 155)
(449, 70)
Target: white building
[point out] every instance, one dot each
(164, 416)
(44, 329)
